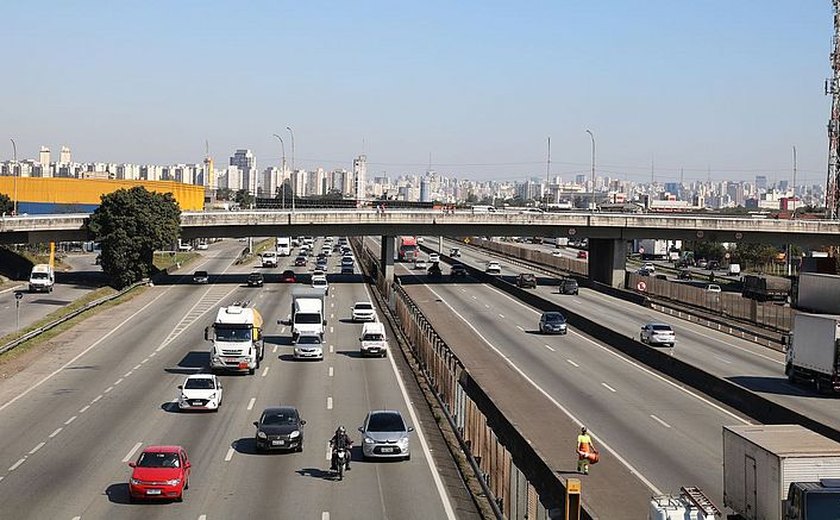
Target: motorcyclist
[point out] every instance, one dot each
(340, 440)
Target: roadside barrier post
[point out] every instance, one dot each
(572, 499)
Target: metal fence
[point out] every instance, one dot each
(728, 304)
(536, 256)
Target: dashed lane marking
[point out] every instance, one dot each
(502, 316)
(56, 432)
(68, 421)
(549, 347)
(229, 454)
(660, 421)
(17, 464)
(330, 371)
(274, 350)
(608, 387)
(569, 361)
(520, 328)
(265, 371)
(329, 403)
(131, 452)
(36, 448)
(251, 403)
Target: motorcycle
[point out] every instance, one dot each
(340, 456)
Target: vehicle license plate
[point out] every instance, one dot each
(278, 443)
(387, 450)
(153, 492)
(230, 360)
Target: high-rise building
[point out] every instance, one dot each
(64, 156)
(44, 156)
(425, 196)
(359, 174)
(246, 163)
(761, 183)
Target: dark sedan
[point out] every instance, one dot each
(288, 276)
(458, 270)
(279, 428)
(255, 280)
(300, 261)
(553, 323)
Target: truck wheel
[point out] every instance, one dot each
(251, 371)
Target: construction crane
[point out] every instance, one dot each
(832, 88)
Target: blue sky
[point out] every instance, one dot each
(720, 84)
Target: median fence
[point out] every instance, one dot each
(536, 256)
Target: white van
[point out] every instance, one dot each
(734, 269)
(283, 246)
(373, 341)
(42, 278)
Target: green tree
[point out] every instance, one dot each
(131, 225)
(707, 250)
(244, 199)
(224, 194)
(754, 255)
(6, 204)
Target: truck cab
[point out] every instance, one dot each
(269, 259)
(813, 500)
(307, 314)
(237, 339)
(42, 278)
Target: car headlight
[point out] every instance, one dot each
(135, 482)
(368, 440)
(295, 434)
(173, 482)
(216, 359)
(212, 396)
(403, 441)
(183, 397)
(261, 435)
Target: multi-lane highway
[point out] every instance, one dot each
(71, 422)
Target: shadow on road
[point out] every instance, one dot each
(773, 385)
(355, 354)
(170, 407)
(316, 473)
(118, 493)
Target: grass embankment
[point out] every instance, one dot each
(44, 258)
(163, 261)
(64, 311)
(259, 247)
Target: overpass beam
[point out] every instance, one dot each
(607, 261)
(386, 259)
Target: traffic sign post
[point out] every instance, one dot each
(18, 298)
(641, 286)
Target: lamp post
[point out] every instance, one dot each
(592, 137)
(14, 172)
(283, 148)
(294, 173)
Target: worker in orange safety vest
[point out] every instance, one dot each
(584, 449)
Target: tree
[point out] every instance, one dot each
(755, 255)
(6, 204)
(244, 199)
(131, 225)
(707, 250)
(224, 194)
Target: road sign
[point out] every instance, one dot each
(18, 295)
(641, 250)
(727, 255)
(641, 286)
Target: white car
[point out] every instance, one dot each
(493, 268)
(434, 257)
(658, 333)
(202, 246)
(200, 392)
(557, 253)
(420, 264)
(320, 281)
(309, 347)
(713, 288)
(363, 311)
(649, 266)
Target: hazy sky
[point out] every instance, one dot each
(726, 84)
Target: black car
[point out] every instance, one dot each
(568, 286)
(434, 271)
(300, 261)
(458, 270)
(347, 269)
(526, 281)
(279, 428)
(553, 323)
(255, 280)
(201, 277)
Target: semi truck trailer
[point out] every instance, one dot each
(812, 355)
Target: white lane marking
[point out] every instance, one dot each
(569, 361)
(144, 361)
(56, 432)
(633, 470)
(325, 515)
(17, 464)
(520, 328)
(36, 448)
(274, 350)
(331, 349)
(487, 306)
(635, 364)
(283, 330)
(68, 421)
(660, 421)
(128, 373)
(131, 452)
(329, 403)
(330, 372)
(85, 408)
(474, 297)
(202, 517)
(137, 366)
(82, 353)
(95, 399)
(153, 354)
(444, 497)
(77, 518)
(329, 451)
(251, 403)
(608, 387)
(332, 316)
(265, 371)
(728, 362)
(229, 454)
(109, 389)
(549, 347)
(118, 381)
(331, 330)
(502, 316)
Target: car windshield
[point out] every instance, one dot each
(319, 282)
(152, 459)
(288, 273)
(661, 328)
(363, 306)
(553, 317)
(39, 276)
(386, 422)
(255, 276)
(309, 340)
(282, 417)
(372, 337)
(201, 273)
(199, 383)
(233, 334)
(307, 318)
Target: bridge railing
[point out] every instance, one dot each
(536, 256)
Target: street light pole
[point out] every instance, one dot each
(14, 172)
(294, 173)
(592, 137)
(283, 148)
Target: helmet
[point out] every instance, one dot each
(583, 429)
(341, 429)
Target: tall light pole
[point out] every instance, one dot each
(547, 173)
(794, 183)
(294, 173)
(283, 148)
(14, 172)
(592, 138)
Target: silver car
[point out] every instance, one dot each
(658, 334)
(385, 434)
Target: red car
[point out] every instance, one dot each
(288, 276)
(161, 472)
(581, 254)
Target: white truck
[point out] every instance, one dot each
(651, 249)
(307, 316)
(283, 245)
(237, 339)
(269, 259)
(817, 292)
(812, 355)
(42, 278)
(780, 472)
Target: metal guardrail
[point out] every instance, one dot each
(67, 317)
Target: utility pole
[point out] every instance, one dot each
(832, 88)
(547, 173)
(793, 202)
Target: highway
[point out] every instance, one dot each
(668, 435)
(69, 287)
(70, 423)
(745, 363)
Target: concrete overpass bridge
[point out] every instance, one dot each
(607, 232)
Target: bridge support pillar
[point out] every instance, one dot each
(386, 259)
(607, 260)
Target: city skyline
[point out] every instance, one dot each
(720, 87)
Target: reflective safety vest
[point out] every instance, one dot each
(584, 442)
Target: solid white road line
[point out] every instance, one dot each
(660, 421)
(68, 421)
(17, 464)
(447, 506)
(229, 454)
(265, 371)
(608, 387)
(251, 403)
(549, 347)
(131, 452)
(36, 448)
(80, 354)
(330, 371)
(569, 361)
(329, 403)
(56, 432)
